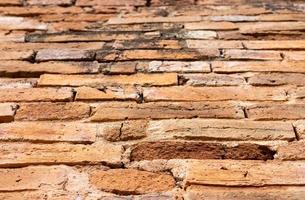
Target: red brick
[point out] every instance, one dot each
(52, 111)
(162, 110)
(131, 181)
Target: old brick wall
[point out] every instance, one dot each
(152, 99)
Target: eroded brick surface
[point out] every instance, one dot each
(152, 99)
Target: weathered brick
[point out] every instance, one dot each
(109, 93)
(20, 23)
(39, 10)
(283, 44)
(294, 55)
(198, 150)
(270, 26)
(177, 93)
(50, 2)
(204, 35)
(156, 55)
(119, 68)
(211, 80)
(245, 173)
(26, 69)
(48, 132)
(258, 66)
(233, 18)
(252, 55)
(10, 83)
(33, 178)
(271, 79)
(210, 26)
(11, 2)
(16, 55)
(110, 3)
(131, 181)
(197, 44)
(147, 44)
(172, 3)
(221, 130)
(276, 111)
(300, 128)
(35, 94)
(162, 110)
(140, 20)
(7, 112)
(174, 66)
(52, 111)
(291, 151)
(250, 193)
(24, 154)
(64, 54)
(102, 80)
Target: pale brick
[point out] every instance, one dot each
(258, 66)
(251, 193)
(177, 93)
(210, 26)
(174, 66)
(162, 110)
(48, 132)
(222, 130)
(211, 80)
(33, 178)
(294, 55)
(197, 44)
(245, 173)
(270, 26)
(50, 2)
(131, 181)
(276, 111)
(26, 69)
(20, 23)
(252, 55)
(109, 93)
(110, 3)
(283, 44)
(10, 83)
(16, 55)
(292, 151)
(140, 20)
(102, 80)
(24, 154)
(204, 35)
(36, 94)
(64, 54)
(52, 111)
(7, 112)
(300, 129)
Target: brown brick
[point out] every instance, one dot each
(48, 132)
(52, 111)
(244, 173)
(11, 2)
(64, 54)
(131, 181)
(32, 178)
(50, 2)
(110, 3)
(257, 66)
(26, 69)
(102, 80)
(210, 26)
(276, 111)
(211, 80)
(140, 20)
(16, 55)
(252, 55)
(119, 68)
(128, 55)
(197, 44)
(250, 193)
(7, 112)
(283, 44)
(271, 79)
(35, 94)
(39, 10)
(109, 93)
(221, 130)
(294, 55)
(147, 44)
(24, 154)
(198, 150)
(270, 26)
(162, 110)
(177, 93)
(291, 151)
(20, 23)
(174, 66)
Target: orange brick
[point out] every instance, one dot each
(210, 26)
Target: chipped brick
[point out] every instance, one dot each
(211, 80)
